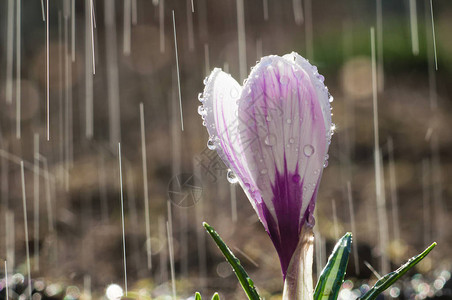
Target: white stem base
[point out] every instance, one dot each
(298, 283)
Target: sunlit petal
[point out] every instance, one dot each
(274, 134)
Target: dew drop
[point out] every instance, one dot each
(231, 176)
(284, 80)
(289, 121)
(211, 144)
(325, 164)
(298, 74)
(201, 97)
(206, 80)
(234, 93)
(311, 221)
(268, 118)
(204, 123)
(264, 171)
(201, 110)
(291, 140)
(296, 178)
(330, 98)
(315, 70)
(270, 140)
(308, 150)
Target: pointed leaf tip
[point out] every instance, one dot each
(216, 296)
(333, 274)
(239, 271)
(198, 296)
(389, 279)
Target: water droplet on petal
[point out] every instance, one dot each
(333, 128)
(201, 97)
(264, 171)
(308, 150)
(325, 164)
(204, 123)
(284, 80)
(296, 178)
(231, 176)
(268, 118)
(270, 140)
(291, 140)
(211, 144)
(201, 110)
(234, 93)
(330, 98)
(310, 221)
(206, 80)
(315, 70)
(289, 121)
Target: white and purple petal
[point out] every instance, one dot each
(219, 111)
(274, 135)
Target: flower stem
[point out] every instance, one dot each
(298, 282)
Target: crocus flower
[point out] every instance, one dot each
(273, 134)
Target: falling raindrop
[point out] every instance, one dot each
(270, 140)
(308, 150)
(231, 176)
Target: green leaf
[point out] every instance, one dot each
(216, 296)
(387, 280)
(244, 279)
(197, 296)
(333, 274)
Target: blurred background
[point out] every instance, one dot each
(65, 123)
